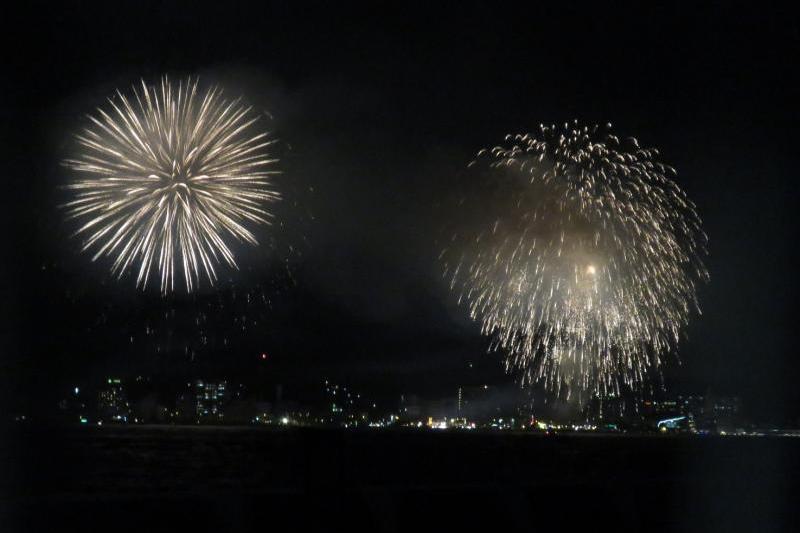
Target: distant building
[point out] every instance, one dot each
(73, 407)
(723, 406)
(692, 405)
(344, 406)
(210, 400)
(693, 413)
(677, 405)
(112, 402)
(410, 407)
(723, 413)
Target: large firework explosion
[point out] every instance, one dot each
(583, 262)
(166, 177)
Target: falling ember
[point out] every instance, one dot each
(583, 262)
(166, 177)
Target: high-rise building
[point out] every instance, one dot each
(476, 402)
(724, 406)
(112, 402)
(723, 413)
(210, 400)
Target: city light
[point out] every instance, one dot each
(117, 401)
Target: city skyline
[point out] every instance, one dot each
(143, 401)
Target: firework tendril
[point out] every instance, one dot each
(584, 261)
(166, 178)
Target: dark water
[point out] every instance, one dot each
(238, 479)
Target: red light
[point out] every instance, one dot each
(263, 356)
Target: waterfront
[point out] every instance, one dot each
(228, 478)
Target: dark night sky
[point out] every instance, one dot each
(378, 113)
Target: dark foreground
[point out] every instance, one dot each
(239, 479)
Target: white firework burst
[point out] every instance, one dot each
(167, 177)
(584, 261)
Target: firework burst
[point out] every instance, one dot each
(584, 260)
(166, 178)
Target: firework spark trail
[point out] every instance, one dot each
(166, 176)
(584, 269)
